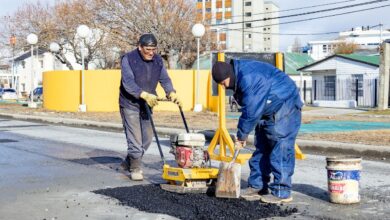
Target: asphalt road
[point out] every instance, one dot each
(49, 171)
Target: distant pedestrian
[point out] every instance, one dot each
(142, 70)
(270, 105)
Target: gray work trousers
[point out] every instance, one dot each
(138, 131)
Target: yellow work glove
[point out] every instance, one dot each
(149, 98)
(238, 145)
(175, 99)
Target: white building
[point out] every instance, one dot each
(344, 80)
(245, 29)
(5, 76)
(364, 37)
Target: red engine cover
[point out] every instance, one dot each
(184, 157)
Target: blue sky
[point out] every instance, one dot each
(338, 23)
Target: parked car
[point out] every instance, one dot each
(1, 92)
(9, 94)
(38, 94)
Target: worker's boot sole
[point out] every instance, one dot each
(137, 175)
(271, 199)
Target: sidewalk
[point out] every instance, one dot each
(305, 145)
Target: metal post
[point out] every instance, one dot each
(198, 107)
(357, 92)
(375, 92)
(315, 90)
(32, 75)
(381, 33)
(82, 73)
(301, 84)
(304, 91)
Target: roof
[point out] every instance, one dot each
(28, 54)
(294, 61)
(369, 60)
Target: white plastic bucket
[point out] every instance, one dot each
(343, 179)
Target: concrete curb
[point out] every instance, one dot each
(324, 146)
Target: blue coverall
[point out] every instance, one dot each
(270, 104)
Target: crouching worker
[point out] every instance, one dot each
(270, 105)
(142, 69)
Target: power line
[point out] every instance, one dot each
(294, 9)
(304, 13)
(296, 34)
(315, 18)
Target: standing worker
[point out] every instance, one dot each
(142, 69)
(270, 104)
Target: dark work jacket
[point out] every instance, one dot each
(261, 89)
(140, 75)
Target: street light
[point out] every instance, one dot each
(83, 32)
(32, 39)
(54, 48)
(198, 31)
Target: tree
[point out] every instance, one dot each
(169, 20)
(346, 48)
(297, 46)
(58, 24)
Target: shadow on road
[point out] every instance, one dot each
(97, 160)
(311, 191)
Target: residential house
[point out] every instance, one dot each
(5, 76)
(344, 80)
(294, 61)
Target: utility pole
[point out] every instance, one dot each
(12, 43)
(381, 33)
(243, 26)
(384, 78)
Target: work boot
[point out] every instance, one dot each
(136, 173)
(274, 199)
(125, 165)
(250, 194)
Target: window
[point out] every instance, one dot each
(248, 46)
(249, 36)
(248, 14)
(208, 9)
(330, 86)
(23, 64)
(359, 78)
(41, 62)
(324, 48)
(248, 3)
(248, 25)
(218, 21)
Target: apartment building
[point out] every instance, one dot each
(240, 24)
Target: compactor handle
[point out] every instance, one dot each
(181, 112)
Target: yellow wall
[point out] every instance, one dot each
(62, 90)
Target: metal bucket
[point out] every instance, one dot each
(343, 179)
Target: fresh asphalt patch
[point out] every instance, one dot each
(151, 198)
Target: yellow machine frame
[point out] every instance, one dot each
(222, 140)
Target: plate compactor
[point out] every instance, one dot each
(193, 173)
